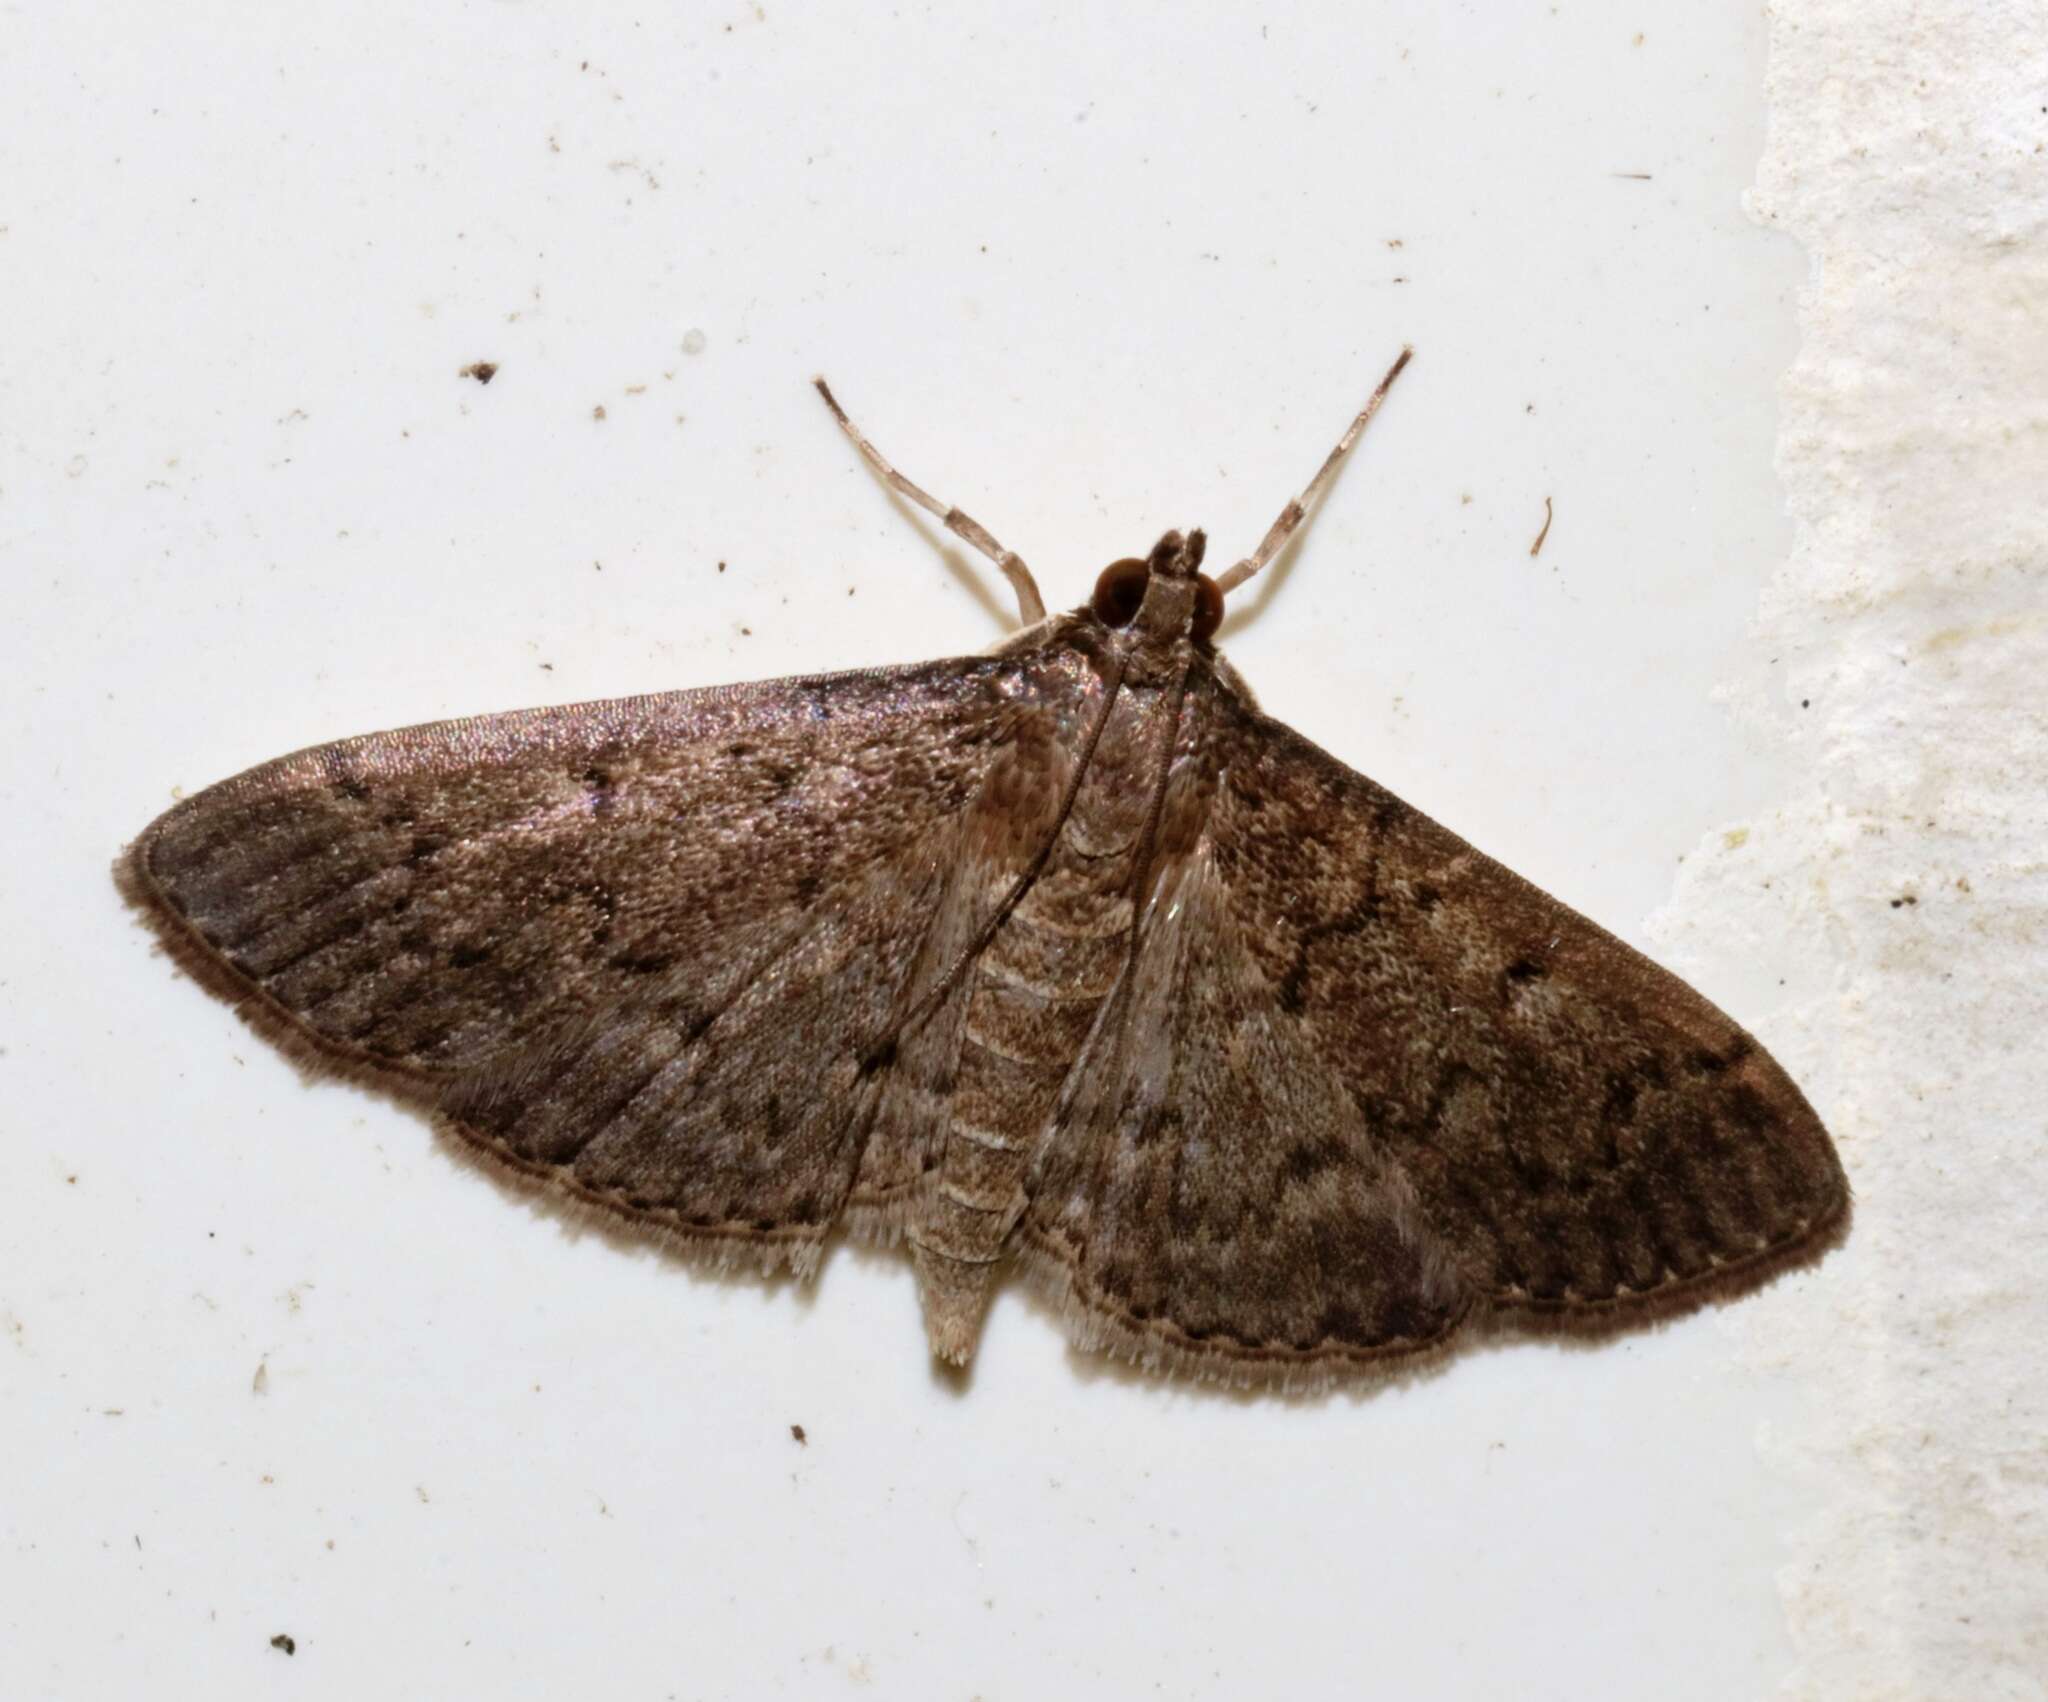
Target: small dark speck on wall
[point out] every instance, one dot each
(285, 1641)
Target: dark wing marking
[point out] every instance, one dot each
(1207, 1201)
(1591, 1137)
(646, 950)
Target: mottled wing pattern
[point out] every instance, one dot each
(1591, 1138)
(1361, 1080)
(1208, 1200)
(648, 950)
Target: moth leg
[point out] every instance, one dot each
(1290, 517)
(1030, 605)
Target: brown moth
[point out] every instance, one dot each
(1063, 956)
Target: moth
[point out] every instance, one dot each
(1062, 958)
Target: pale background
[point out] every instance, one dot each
(1089, 274)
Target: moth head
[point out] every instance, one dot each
(1183, 599)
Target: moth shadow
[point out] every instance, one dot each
(954, 1381)
(974, 580)
(1245, 607)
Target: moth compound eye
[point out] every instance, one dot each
(1208, 608)
(1120, 590)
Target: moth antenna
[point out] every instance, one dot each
(1291, 516)
(1030, 605)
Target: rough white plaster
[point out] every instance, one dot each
(1908, 151)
